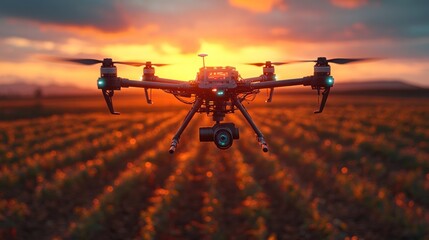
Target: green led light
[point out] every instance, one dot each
(220, 93)
(330, 81)
(101, 83)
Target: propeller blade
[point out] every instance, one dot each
(83, 61)
(289, 62)
(261, 64)
(336, 60)
(135, 64)
(279, 63)
(256, 64)
(138, 64)
(348, 60)
(160, 64)
(90, 61)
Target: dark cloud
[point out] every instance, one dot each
(400, 19)
(320, 21)
(106, 15)
(25, 29)
(304, 20)
(186, 23)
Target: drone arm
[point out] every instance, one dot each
(155, 85)
(185, 123)
(255, 79)
(157, 80)
(280, 83)
(315, 82)
(263, 78)
(166, 80)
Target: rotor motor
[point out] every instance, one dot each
(322, 74)
(108, 69)
(268, 71)
(322, 68)
(108, 76)
(148, 72)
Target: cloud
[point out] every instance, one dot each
(26, 43)
(349, 4)
(353, 32)
(185, 24)
(258, 6)
(16, 49)
(165, 30)
(105, 15)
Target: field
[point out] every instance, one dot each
(360, 170)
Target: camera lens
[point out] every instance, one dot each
(223, 138)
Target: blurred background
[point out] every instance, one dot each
(70, 170)
(232, 32)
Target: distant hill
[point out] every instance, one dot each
(394, 88)
(378, 87)
(375, 85)
(381, 88)
(22, 89)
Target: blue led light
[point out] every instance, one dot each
(220, 93)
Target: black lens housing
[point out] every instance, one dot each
(222, 134)
(223, 138)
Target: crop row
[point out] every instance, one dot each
(83, 179)
(291, 213)
(60, 136)
(40, 168)
(316, 162)
(116, 211)
(323, 178)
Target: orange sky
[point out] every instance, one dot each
(231, 32)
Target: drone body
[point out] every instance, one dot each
(216, 91)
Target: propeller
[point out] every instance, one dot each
(260, 64)
(83, 61)
(333, 60)
(138, 64)
(90, 61)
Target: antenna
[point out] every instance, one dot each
(203, 55)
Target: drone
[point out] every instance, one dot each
(216, 91)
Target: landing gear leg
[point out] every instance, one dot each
(259, 134)
(185, 123)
